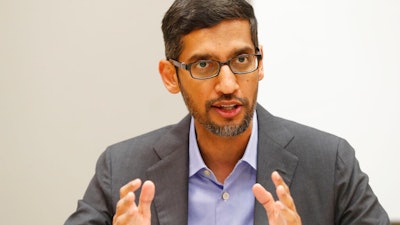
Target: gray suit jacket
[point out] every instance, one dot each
(325, 179)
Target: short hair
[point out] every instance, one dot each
(185, 16)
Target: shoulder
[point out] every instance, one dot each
(309, 135)
(131, 158)
(141, 142)
(306, 142)
(134, 154)
(285, 131)
(145, 142)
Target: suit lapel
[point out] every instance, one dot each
(272, 156)
(170, 176)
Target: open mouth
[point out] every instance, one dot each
(227, 107)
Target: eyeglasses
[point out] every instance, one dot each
(206, 69)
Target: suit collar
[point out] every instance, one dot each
(274, 138)
(170, 174)
(272, 156)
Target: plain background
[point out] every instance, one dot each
(79, 75)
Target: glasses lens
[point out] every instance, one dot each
(244, 64)
(204, 68)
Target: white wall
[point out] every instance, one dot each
(335, 65)
(77, 76)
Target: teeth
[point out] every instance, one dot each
(227, 107)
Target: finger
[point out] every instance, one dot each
(286, 198)
(127, 198)
(277, 212)
(283, 191)
(265, 199)
(129, 187)
(288, 215)
(277, 179)
(146, 198)
(126, 209)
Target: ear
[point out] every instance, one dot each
(169, 76)
(261, 66)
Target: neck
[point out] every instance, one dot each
(221, 154)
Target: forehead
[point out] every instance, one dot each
(221, 41)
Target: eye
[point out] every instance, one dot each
(202, 64)
(242, 59)
(204, 68)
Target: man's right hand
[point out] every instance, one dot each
(127, 212)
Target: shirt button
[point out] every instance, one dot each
(225, 196)
(207, 173)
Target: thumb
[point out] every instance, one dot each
(146, 198)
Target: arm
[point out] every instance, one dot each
(355, 201)
(96, 207)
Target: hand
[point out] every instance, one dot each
(127, 212)
(283, 211)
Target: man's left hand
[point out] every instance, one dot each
(282, 211)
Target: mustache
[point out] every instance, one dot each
(243, 101)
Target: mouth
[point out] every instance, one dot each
(227, 107)
(228, 110)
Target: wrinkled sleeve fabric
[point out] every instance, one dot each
(355, 201)
(96, 207)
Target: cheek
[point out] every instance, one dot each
(249, 83)
(249, 88)
(198, 92)
(200, 96)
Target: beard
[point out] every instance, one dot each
(227, 130)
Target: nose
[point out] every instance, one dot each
(227, 81)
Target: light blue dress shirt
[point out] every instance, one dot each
(230, 203)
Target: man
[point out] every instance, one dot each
(230, 161)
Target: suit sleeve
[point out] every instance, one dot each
(355, 201)
(96, 207)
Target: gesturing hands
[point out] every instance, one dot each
(127, 212)
(283, 211)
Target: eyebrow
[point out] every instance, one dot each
(206, 56)
(197, 57)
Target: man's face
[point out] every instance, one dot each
(223, 105)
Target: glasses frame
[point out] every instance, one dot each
(220, 64)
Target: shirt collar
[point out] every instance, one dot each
(196, 162)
